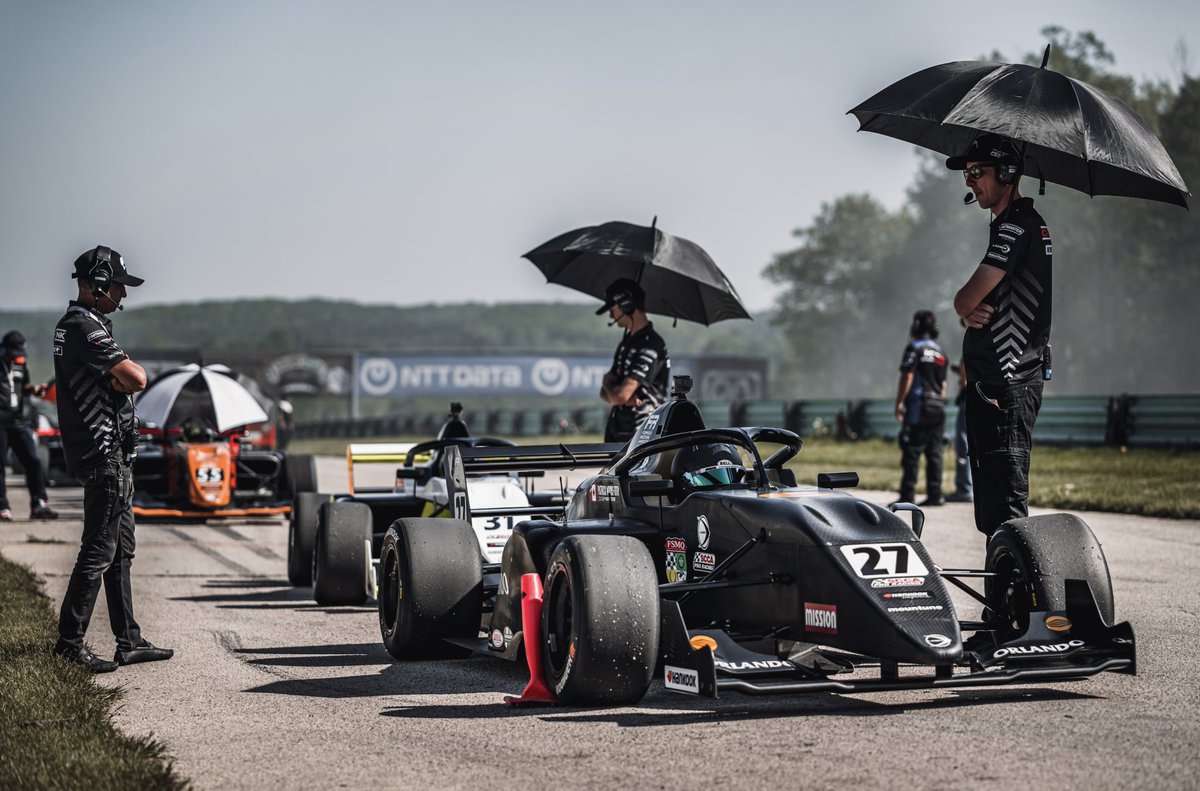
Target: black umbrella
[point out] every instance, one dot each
(1075, 134)
(679, 278)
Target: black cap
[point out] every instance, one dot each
(987, 150)
(87, 264)
(619, 291)
(14, 341)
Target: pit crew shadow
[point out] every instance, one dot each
(277, 594)
(669, 709)
(435, 677)
(343, 655)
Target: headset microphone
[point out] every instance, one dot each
(969, 198)
(613, 322)
(104, 294)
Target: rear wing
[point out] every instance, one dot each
(458, 462)
(377, 453)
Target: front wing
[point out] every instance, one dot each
(1058, 646)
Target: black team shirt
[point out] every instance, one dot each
(643, 356)
(1009, 349)
(91, 415)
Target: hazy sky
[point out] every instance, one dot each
(410, 153)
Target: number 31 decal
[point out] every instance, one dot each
(884, 560)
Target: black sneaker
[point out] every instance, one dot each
(85, 658)
(144, 652)
(960, 497)
(935, 499)
(40, 510)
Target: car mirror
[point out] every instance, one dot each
(660, 487)
(419, 474)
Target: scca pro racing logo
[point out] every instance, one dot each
(550, 376)
(378, 376)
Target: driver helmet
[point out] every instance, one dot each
(707, 466)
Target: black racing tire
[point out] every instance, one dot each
(302, 534)
(430, 587)
(600, 620)
(1034, 557)
(300, 471)
(342, 553)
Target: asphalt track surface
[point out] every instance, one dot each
(269, 690)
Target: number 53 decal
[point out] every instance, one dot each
(884, 560)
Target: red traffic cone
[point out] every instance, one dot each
(536, 692)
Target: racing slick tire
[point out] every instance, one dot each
(430, 587)
(301, 473)
(1033, 558)
(342, 553)
(600, 620)
(302, 533)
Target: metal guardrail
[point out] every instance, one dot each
(1125, 420)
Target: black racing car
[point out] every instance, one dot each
(693, 554)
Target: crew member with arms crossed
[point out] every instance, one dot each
(1005, 306)
(96, 382)
(637, 382)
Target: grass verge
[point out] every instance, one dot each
(55, 727)
(1142, 481)
(1146, 482)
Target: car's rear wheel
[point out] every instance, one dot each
(1032, 559)
(301, 473)
(302, 534)
(430, 587)
(600, 620)
(342, 553)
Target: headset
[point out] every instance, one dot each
(101, 274)
(626, 302)
(1007, 174)
(924, 323)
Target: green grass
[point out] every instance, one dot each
(55, 726)
(1141, 481)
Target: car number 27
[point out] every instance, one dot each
(884, 560)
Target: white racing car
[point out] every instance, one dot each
(334, 540)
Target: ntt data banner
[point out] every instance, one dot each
(566, 376)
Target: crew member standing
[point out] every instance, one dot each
(921, 409)
(637, 382)
(1005, 306)
(15, 429)
(96, 382)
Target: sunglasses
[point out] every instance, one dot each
(975, 171)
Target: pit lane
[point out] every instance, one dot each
(270, 690)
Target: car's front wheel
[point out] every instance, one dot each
(342, 553)
(430, 587)
(1032, 558)
(600, 620)
(302, 535)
